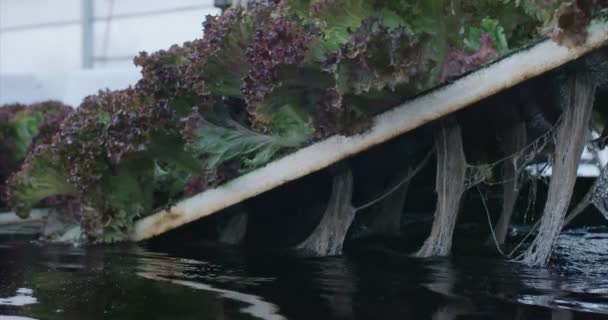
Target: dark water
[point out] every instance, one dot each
(42, 281)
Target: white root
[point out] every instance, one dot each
(450, 186)
(515, 141)
(577, 97)
(234, 230)
(596, 195)
(328, 237)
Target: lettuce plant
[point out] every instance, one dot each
(21, 128)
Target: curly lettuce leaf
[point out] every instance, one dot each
(41, 176)
(228, 141)
(219, 61)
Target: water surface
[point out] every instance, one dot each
(48, 281)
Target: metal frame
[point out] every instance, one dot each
(87, 18)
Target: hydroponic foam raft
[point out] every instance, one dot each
(478, 85)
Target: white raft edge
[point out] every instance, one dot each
(11, 218)
(467, 90)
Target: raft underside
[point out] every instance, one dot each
(464, 92)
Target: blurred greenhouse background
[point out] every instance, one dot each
(67, 49)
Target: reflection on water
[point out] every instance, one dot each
(23, 298)
(193, 274)
(41, 281)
